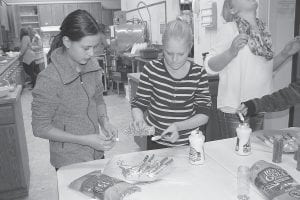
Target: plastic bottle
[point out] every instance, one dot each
(196, 155)
(277, 149)
(243, 182)
(243, 145)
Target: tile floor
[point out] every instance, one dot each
(43, 183)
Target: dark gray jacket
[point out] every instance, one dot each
(61, 101)
(278, 101)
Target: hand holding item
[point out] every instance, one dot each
(97, 142)
(292, 46)
(140, 128)
(137, 124)
(171, 133)
(243, 109)
(110, 131)
(238, 43)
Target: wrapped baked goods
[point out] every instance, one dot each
(274, 182)
(103, 187)
(290, 139)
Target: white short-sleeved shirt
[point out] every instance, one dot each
(246, 77)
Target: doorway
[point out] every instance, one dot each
(294, 119)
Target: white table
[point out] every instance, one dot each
(216, 179)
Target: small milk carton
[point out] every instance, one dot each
(196, 155)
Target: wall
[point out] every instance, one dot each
(281, 24)
(107, 4)
(3, 16)
(205, 38)
(159, 14)
(279, 16)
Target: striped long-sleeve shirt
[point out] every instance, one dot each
(167, 100)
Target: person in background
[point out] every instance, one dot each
(27, 55)
(103, 45)
(68, 103)
(173, 92)
(101, 51)
(244, 60)
(37, 46)
(277, 101)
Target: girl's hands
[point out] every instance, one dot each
(137, 127)
(96, 141)
(109, 131)
(238, 43)
(243, 109)
(292, 46)
(171, 133)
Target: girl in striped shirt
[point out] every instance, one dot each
(173, 92)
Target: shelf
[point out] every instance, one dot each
(29, 22)
(28, 15)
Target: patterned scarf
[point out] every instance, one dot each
(260, 42)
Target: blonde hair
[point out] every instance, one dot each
(180, 30)
(226, 11)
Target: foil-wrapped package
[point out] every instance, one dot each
(103, 187)
(151, 168)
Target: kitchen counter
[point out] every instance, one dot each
(11, 70)
(12, 96)
(5, 66)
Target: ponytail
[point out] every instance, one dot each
(56, 43)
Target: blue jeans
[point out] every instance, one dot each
(229, 122)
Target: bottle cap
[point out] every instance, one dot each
(195, 132)
(244, 124)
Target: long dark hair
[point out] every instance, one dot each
(75, 26)
(23, 32)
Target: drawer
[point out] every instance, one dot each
(7, 114)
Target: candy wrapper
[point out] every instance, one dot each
(103, 187)
(142, 131)
(274, 182)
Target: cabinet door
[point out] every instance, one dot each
(10, 173)
(57, 14)
(70, 7)
(107, 17)
(45, 15)
(85, 6)
(96, 12)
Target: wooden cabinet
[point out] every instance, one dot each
(107, 17)
(51, 14)
(57, 11)
(96, 12)
(70, 7)
(22, 16)
(29, 16)
(84, 6)
(14, 173)
(45, 15)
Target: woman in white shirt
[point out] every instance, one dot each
(244, 60)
